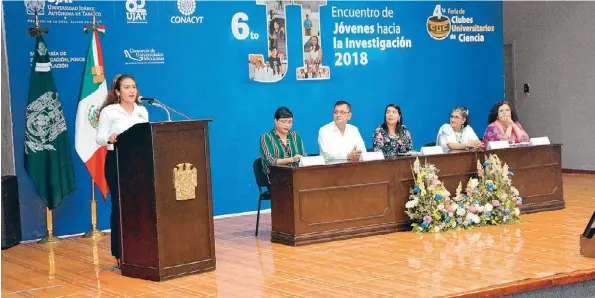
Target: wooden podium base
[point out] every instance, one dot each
(587, 247)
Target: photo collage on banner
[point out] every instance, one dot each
(275, 66)
(313, 68)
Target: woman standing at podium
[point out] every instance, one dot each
(120, 111)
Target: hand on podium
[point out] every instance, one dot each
(113, 138)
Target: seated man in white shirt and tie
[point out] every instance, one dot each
(339, 140)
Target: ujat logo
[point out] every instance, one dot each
(136, 12)
(35, 5)
(187, 9)
(438, 25)
(39, 5)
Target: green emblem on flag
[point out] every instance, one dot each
(45, 122)
(93, 116)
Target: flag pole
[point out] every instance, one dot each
(50, 238)
(94, 233)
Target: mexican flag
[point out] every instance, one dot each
(47, 150)
(92, 95)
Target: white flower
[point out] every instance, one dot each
(441, 207)
(411, 204)
(474, 183)
(461, 211)
(515, 191)
(479, 208)
(416, 166)
(450, 214)
(436, 229)
(488, 207)
(473, 217)
(476, 218)
(517, 211)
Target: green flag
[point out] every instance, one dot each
(47, 152)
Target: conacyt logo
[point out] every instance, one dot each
(187, 9)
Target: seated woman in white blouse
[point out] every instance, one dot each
(458, 135)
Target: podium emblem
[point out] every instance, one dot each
(185, 181)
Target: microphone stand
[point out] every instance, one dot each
(157, 103)
(164, 108)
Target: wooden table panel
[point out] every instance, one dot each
(354, 199)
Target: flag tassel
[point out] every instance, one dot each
(94, 233)
(50, 238)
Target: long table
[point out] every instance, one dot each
(354, 199)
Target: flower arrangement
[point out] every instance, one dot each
(468, 206)
(490, 199)
(429, 204)
(498, 197)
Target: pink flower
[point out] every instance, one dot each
(495, 203)
(472, 209)
(451, 208)
(519, 203)
(428, 219)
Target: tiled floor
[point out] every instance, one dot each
(402, 264)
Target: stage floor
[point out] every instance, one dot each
(489, 260)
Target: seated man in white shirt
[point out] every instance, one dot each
(339, 140)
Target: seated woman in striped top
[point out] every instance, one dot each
(281, 145)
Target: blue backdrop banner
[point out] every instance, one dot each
(236, 62)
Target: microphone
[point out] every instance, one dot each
(148, 100)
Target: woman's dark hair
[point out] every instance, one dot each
(464, 113)
(317, 47)
(283, 112)
(399, 128)
(112, 96)
(494, 112)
